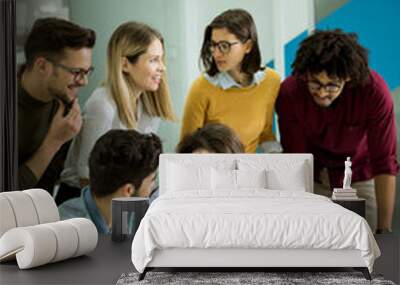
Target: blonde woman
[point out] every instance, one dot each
(134, 96)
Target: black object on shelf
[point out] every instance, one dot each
(355, 205)
(122, 208)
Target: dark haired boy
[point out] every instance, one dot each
(58, 57)
(123, 163)
(334, 107)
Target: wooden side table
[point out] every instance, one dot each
(355, 205)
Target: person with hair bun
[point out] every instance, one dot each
(212, 138)
(123, 163)
(334, 106)
(236, 89)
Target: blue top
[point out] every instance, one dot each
(85, 207)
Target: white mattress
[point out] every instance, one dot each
(253, 218)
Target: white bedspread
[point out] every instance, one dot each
(251, 218)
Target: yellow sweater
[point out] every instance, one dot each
(248, 111)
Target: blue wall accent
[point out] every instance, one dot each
(290, 51)
(378, 30)
(270, 64)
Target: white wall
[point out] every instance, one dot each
(290, 18)
(28, 11)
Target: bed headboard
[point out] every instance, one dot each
(285, 164)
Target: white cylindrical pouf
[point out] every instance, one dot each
(45, 205)
(7, 217)
(40, 244)
(87, 235)
(23, 208)
(67, 239)
(34, 246)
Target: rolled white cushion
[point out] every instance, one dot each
(87, 235)
(45, 205)
(7, 218)
(23, 208)
(67, 239)
(40, 244)
(33, 246)
(26, 208)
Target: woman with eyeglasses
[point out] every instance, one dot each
(235, 89)
(134, 95)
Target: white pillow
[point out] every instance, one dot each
(291, 180)
(280, 175)
(203, 160)
(183, 177)
(223, 179)
(251, 178)
(235, 179)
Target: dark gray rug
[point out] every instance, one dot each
(230, 278)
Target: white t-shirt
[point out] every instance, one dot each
(99, 116)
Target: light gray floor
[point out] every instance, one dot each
(106, 264)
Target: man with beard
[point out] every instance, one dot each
(58, 58)
(335, 107)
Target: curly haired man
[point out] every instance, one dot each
(334, 106)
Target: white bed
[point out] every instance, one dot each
(241, 210)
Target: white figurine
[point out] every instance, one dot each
(347, 174)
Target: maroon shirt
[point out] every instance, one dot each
(360, 123)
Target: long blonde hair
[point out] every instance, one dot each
(132, 39)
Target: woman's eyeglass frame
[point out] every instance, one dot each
(223, 46)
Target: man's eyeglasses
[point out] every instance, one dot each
(223, 46)
(77, 73)
(330, 87)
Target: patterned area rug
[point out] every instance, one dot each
(230, 278)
